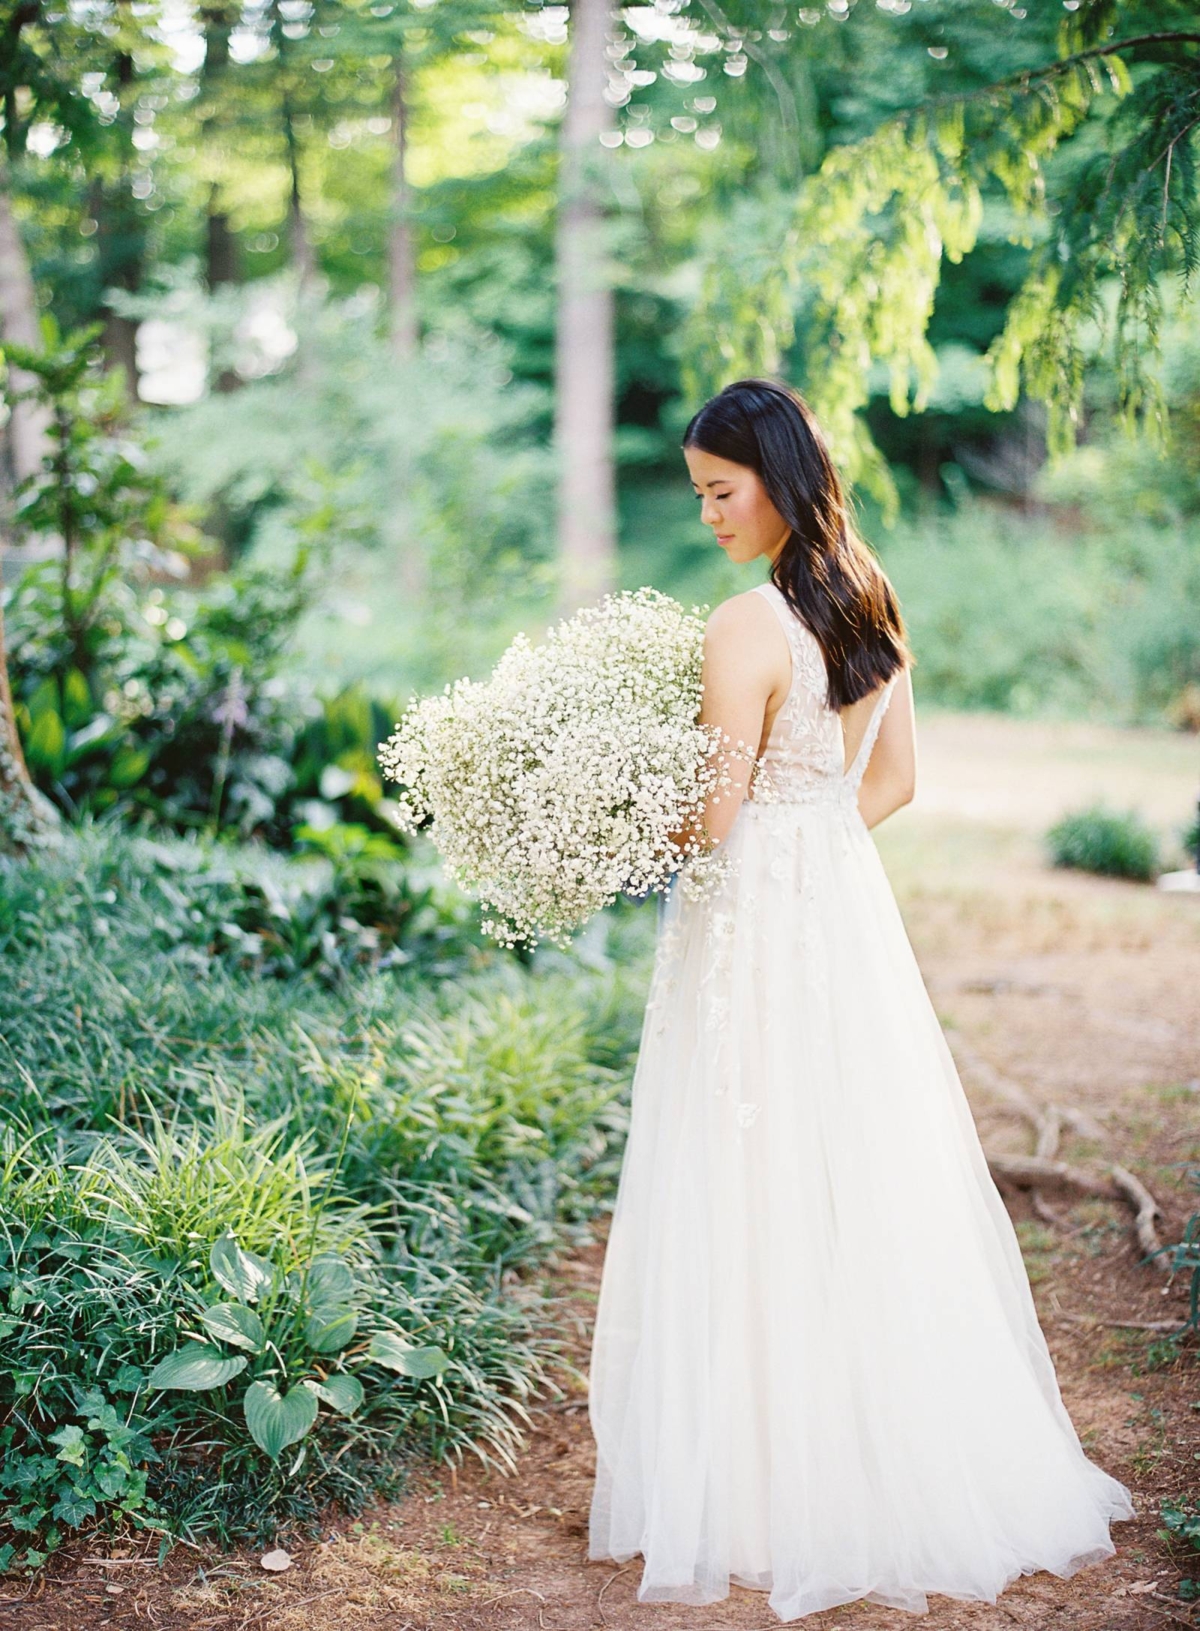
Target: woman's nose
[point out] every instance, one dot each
(709, 513)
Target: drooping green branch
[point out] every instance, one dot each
(856, 254)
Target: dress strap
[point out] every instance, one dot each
(792, 626)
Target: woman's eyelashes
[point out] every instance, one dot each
(719, 498)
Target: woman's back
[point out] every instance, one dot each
(804, 761)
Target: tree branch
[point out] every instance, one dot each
(1029, 76)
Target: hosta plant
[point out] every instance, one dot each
(294, 1336)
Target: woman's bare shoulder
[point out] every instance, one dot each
(745, 631)
(741, 616)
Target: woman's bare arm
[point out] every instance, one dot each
(746, 661)
(890, 778)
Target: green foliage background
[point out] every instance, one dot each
(234, 1006)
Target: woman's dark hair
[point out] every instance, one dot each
(826, 572)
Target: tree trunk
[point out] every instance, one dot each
(402, 272)
(220, 246)
(26, 818)
(26, 438)
(121, 239)
(303, 258)
(584, 341)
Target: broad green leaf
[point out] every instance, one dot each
(73, 1508)
(329, 1281)
(278, 1419)
(194, 1367)
(344, 1393)
(77, 699)
(394, 1352)
(235, 1324)
(73, 1445)
(46, 744)
(111, 1478)
(45, 698)
(242, 1274)
(127, 766)
(331, 1328)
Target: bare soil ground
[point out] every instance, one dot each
(1085, 991)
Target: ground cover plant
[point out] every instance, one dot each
(264, 1240)
(1113, 842)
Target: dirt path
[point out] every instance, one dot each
(1088, 993)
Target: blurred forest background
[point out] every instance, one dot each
(373, 328)
(341, 340)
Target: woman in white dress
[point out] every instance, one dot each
(817, 1368)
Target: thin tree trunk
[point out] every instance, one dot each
(303, 258)
(220, 246)
(402, 271)
(584, 341)
(121, 240)
(19, 326)
(26, 818)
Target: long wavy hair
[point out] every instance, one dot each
(828, 575)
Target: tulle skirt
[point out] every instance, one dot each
(817, 1368)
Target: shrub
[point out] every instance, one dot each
(174, 1099)
(174, 714)
(1191, 838)
(166, 703)
(154, 1369)
(1035, 616)
(1097, 839)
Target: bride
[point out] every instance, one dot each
(817, 1368)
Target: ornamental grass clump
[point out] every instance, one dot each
(557, 784)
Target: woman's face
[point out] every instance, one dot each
(734, 503)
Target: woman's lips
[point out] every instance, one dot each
(724, 538)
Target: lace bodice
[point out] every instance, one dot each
(804, 759)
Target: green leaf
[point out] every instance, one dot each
(276, 1419)
(26, 1522)
(73, 1509)
(73, 1445)
(46, 744)
(112, 1478)
(45, 698)
(345, 1393)
(331, 1328)
(194, 1367)
(235, 1324)
(242, 1274)
(77, 699)
(127, 765)
(394, 1352)
(329, 1281)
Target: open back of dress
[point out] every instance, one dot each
(817, 1367)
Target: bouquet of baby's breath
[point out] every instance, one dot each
(555, 785)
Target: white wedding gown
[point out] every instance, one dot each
(817, 1368)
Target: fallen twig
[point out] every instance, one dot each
(604, 1588)
(1042, 1169)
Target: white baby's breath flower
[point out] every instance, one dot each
(554, 786)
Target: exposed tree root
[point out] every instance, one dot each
(1043, 1170)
